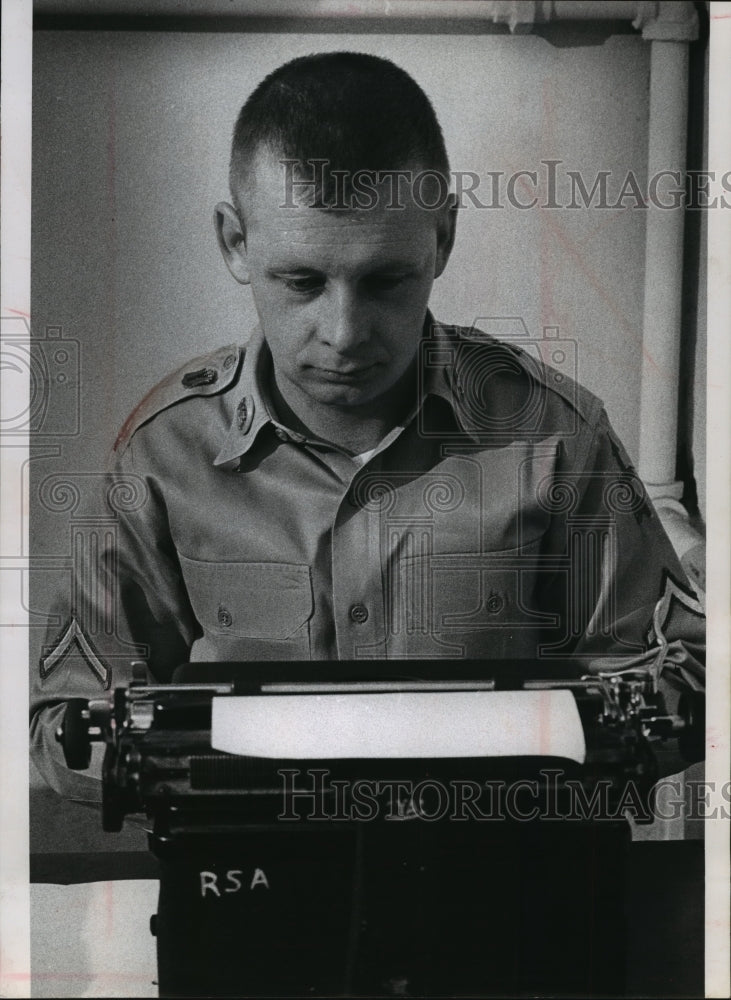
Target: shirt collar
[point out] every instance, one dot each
(254, 411)
(437, 356)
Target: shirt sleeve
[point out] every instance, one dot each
(126, 601)
(629, 602)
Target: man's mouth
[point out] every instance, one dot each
(346, 372)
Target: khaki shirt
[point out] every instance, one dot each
(502, 520)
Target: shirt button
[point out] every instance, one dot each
(229, 361)
(359, 614)
(225, 618)
(495, 604)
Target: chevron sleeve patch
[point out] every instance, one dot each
(73, 639)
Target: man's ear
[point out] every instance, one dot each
(231, 241)
(446, 231)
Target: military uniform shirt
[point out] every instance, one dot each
(500, 519)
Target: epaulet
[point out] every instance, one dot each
(202, 376)
(559, 379)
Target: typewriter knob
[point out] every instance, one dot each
(73, 735)
(140, 675)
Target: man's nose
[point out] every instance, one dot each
(344, 325)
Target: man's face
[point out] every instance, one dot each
(341, 296)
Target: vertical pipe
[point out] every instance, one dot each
(663, 268)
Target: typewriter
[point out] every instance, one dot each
(374, 828)
(227, 742)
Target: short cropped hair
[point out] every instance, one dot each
(356, 111)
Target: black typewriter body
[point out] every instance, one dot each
(277, 880)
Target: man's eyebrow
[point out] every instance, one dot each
(402, 266)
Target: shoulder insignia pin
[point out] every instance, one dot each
(207, 375)
(203, 376)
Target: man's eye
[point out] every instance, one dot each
(304, 285)
(385, 282)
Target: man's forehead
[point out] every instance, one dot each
(277, 195)
(333, 243)
(310, 226)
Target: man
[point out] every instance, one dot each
(361, 481)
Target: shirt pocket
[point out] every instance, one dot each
(249, 600)
(468, 605)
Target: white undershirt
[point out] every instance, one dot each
(365, 455)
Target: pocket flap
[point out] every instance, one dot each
(249, 599)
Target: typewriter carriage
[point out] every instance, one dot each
(159, 759)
